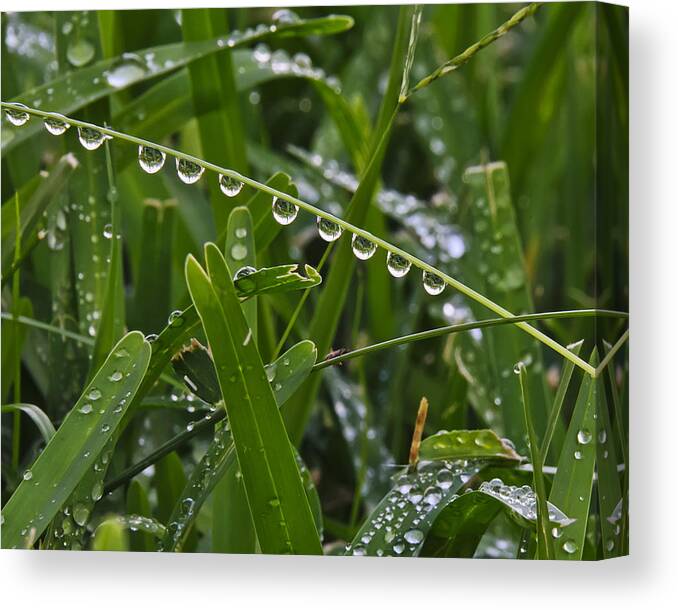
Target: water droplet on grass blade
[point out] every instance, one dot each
(175, 319)
(129, 69)
(284, 16)
(397, 265)
(94, 394)
(284, 212)
(362, 247)
(91, 139)
(328, 230)
(17, 117)
(238, 252)
(80, 52)
(151, 159)
(80, 514)
(414, 536)
(115, 376)
(85, 409)
(28, 475)
(56, 126)
(433, 284)
(108, 231)
(229, 186)
(244, 272)
(584, 436)
(189, 172)
(570, 546)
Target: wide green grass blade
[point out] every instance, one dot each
(466, 444)
(240, 251)
(275, 493)
(77, 444)
(70, 92)
(462, 523)
(36, 415)
(573, 482)
(32, 211)
(495, 266)
(399, 524)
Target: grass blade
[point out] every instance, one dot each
(77, 444)
(37, 416)
(573, 482)
(466, 445)
(278, 505)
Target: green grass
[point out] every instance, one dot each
(458, 147)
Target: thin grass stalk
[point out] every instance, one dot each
(417, 262)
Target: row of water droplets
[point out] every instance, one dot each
(401, 524)
(152, 160)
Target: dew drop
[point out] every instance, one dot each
(105, 428)
(116, 376)
(578, 455)
(570, 546)
(229, 186)
(80, 52)
(610, 544)
(90, 138)
(241, 232)
(151, 337)
(243, 272)
(80, 514)
(189, 172)
(238, 252)
(397, 265)
(129, 69)
(328, 230)
(362, 247)
(94, 394)
(56, 126)
(108, 231)
(175, 319)
(151, 159)
(28, 475)
(97, 491)
(556, 532)
(17, 117)
(414, 536)
(433, 284)
(85, 409)
(584, 436)
(602, 436)
(284, 212)
(284, 16)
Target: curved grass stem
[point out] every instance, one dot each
(417, 262)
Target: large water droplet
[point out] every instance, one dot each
(97, 491)
(176, 318)
(151, 159)
(129, 69)
(80, 52)
(570, 546)
(115, 376)
(238, 252)
(229, 186)
(188, 171)
(397, 265)
(28, 475)
(85, 409)
(284, 16)
(94, 394)
(433, 284)
(414, 536)
(584, 436)
(80, 514)
(17, 117)
(91, 139)
(56, 126)
(244, 272)
(362, 247)
(328, 230)
(284, 212)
